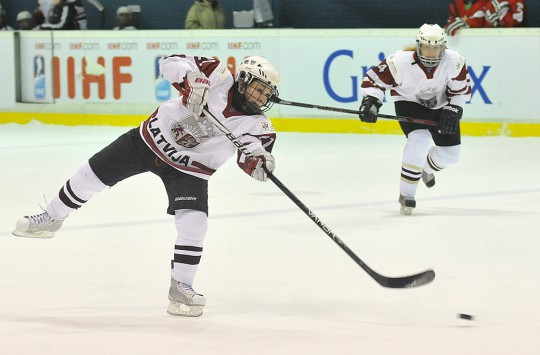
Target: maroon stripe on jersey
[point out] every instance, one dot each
(187, 259)
(370, 83)
(457, 92)
(178, 86)
(462, 74)
(149, 140)
(428, 71)
(206, 65)
(452, 93)
(208, 68)
(154, 114)
(203, 167)
(385, 75)
(267, 140)
(229, 110)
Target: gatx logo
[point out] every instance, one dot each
(353, 97)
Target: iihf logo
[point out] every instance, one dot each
(161, 86)
(39, 77)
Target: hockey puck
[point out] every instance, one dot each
(465, 316)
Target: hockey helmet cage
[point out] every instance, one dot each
(257, 68)
(430, 44)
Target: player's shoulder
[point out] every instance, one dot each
(454, 59)
(398, 62)
(221, 73)
(400, 58)
(258, 124)
(266, 125)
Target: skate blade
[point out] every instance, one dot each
(36, 235)
(406, 211)
(180, 309)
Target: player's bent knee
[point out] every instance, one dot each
(448, 155)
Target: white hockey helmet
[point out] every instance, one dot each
(257, 68)
(430, 44)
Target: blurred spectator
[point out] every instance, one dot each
(48, 11)
(62, 16)
(24, 20)
(465, 14)
(80, 16)
(3, 24)
(505, 13)
(124, 19)
(205, 14)
(262, 13)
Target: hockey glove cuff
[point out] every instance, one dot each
(449, 120)
(254, 166)
(195, 95)
(369, 109)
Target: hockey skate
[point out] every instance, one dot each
(407, 204)
(184, 301)
(428, 179)
(37, 226)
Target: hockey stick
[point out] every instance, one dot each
(99, 6)
(277, 100)
(390, 282)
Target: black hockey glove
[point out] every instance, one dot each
(369, 109)
(449, 120)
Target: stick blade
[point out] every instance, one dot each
(420, 279)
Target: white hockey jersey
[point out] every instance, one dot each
(409, 80)
(189, 142)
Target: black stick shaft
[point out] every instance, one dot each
(344, 110)
(319, 223)
(392, 282)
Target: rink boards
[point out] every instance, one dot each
(52, 77)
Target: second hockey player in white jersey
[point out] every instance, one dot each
(180, 145)
(426, 81)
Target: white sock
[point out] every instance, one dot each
(75, 192)
(414, 158)
(191, 226)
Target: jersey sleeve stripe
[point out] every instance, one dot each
(462, 74)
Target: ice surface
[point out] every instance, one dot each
(275, 283)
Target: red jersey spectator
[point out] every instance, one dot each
(505, 13)
(465, 14)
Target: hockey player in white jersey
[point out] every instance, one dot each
(180, 145)
(426, 81)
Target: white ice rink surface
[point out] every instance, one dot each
(275, 283)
